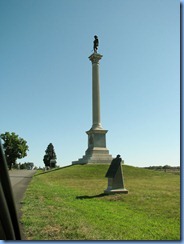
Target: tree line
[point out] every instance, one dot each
(165, 168)
(16, 147)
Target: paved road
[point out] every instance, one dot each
(19, 181)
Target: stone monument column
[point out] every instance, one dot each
(94, 58)
(96, 151)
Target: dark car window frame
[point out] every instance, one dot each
(9, 224)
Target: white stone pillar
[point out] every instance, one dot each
(94, 58)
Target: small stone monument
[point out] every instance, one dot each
(115, 177)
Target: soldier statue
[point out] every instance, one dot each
(95, 44)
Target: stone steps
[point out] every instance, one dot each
(95, 156)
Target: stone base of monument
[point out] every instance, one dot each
(97, 151)
(95, 156)
(113, 191)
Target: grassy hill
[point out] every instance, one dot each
(68, 204)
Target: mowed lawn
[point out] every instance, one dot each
(68, 204)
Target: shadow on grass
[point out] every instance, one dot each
(88, 197)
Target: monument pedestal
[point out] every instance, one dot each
(114, 191)
(97, 151)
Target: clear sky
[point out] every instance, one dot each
(46, 83)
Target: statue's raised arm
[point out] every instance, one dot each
(95, 44)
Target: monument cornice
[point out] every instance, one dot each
(95, 57)
(98, 131)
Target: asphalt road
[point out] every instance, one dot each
(19, 181)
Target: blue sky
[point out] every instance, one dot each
(46, 81)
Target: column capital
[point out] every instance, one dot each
(95, 57)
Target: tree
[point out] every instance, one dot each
(165, 167)
(27, 165)
(49, 156)
(14, 147)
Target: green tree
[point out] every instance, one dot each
(165, 167)
(14, 147)
(28, 165)
(49, 155)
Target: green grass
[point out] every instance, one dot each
(68, 204)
